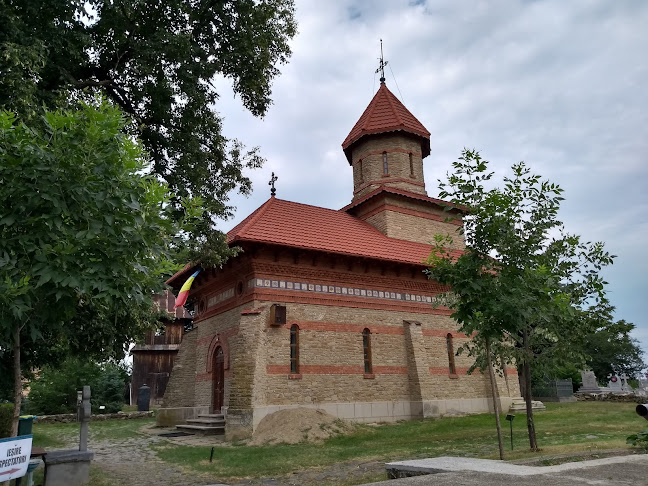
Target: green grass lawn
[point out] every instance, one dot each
(562, 428)
(56, 436)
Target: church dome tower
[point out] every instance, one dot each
(386, 147)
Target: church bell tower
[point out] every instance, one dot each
(386, 148)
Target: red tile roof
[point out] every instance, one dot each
(386, 114)
(296, 225)
(402, 192)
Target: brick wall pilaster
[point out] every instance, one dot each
(418, 367)
(180, 391)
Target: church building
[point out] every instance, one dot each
(331, 309)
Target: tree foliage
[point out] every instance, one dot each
(158, 62)
(611, 350)
(54, 390)
(84, 237)
(523, 282)
(82, 230)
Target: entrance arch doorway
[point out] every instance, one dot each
(219, 379)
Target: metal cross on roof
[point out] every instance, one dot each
(273, 179)
(383, 63)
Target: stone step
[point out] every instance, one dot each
(519, 405)
(207, 421)
(219, 416)
(202, 429)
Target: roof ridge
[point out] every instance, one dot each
(401, 192)
(391, 104)
(240, 229)
(370, 109)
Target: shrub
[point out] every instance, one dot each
(55, 390)
(639, 440)
(6, 416)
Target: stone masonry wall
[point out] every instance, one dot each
(368, 174)
(414, 228)
(220, 330)
(331, 358)
(180, 388)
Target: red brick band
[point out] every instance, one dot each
(335, 370)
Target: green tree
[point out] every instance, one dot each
(611, 350)
(157, 61)
(523, 285)
(84, 237)
(54, 390)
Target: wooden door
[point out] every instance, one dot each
(219, 380)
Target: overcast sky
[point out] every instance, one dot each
(560, 85)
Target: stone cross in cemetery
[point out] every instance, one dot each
(590, 384)
(625, 385)
(614, 384)
(72, 467)
(83, 412)
(619, 384)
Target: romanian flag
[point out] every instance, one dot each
(181, 299)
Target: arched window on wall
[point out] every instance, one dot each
(366, 349)
(385, 166)
(294, 349)
(360, 177)
(411, 161)
(451, 356)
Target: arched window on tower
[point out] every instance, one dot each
(385, 166)
(451, 356)
(360, 177)
(294, 349)
(366, 349)
(411, 161)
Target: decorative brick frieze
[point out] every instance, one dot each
(342, 291)
(349, 301)
(214, 300)
(372, 277)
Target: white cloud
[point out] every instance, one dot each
(558, 84)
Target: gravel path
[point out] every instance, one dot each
(133, 462)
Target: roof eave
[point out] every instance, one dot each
(347, 147)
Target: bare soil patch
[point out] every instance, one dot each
(296, 425)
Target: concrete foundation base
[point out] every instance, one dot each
(241, 423)
(67, 467)
(170, 417)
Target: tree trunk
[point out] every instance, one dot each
(496, 405)
(526, 377)
(17, 379)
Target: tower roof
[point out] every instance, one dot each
(385, 114)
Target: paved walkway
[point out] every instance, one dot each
(623, 470)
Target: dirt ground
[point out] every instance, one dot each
(298, 425)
